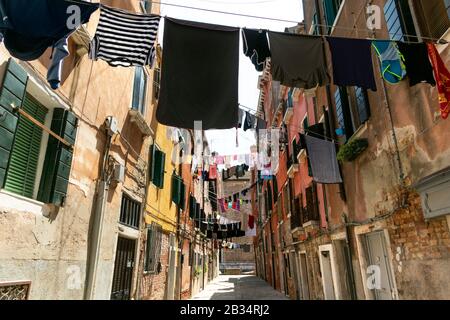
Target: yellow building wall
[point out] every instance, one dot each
(160, 208)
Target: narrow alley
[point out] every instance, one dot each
(242, 287)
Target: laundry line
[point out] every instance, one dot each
(439, 41)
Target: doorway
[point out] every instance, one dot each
(378, 266)
(123, 269)
(303, 272)
(327, 271)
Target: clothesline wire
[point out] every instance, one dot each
(438, 40)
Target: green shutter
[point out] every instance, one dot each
(330, 8)
(22, 168)
(192, 207)
(176, 189)
(152, 162)
(158, 178)
(182, 196)
(58, 159)
(12, 93)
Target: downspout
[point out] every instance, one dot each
(97, 224)
(180, 238)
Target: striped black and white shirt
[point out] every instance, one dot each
(125, 39)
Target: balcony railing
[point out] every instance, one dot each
(296, 221)
(310, 214)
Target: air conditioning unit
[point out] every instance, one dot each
(118, 173)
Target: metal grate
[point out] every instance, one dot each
(123, 269)
(15, 291)
(130, 212)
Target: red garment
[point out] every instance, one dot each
(213, 172)
(442, 76)
(251, 222)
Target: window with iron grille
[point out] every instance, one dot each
(153, 248)
(432, 17)
(156, 82)
(312, 205)
(14, 290)
(130, 212)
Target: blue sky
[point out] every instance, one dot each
(224, 141)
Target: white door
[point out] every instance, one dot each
(327, 274)
(303, 272)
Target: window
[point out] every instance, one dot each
(130, 212)
(158, 159)
(286, 199)
(343, 112)
(139, 90)
(30, 164)
(312, 204)
(362, 105)
(331, 9)
(156, 83)
(146, 6)
(447, 7)
(399, 20)
(153, 248)
(315, 25)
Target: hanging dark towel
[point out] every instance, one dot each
(298, 60)
(249, 122)
(256, 47)
(417, 63)
(200, 75)
(322, 157)
(30, 27)
(352, 62)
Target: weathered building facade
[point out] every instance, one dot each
(87, 177)
(383, 233)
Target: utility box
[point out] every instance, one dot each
(119, 173)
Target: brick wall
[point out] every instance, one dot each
(154, 286)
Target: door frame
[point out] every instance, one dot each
(304, 283)
(359, 233)
(334, 272)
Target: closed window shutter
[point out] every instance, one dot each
(182, 196)
(12, 93)
(58, 159)
(330, 13)
(22, 169)
(176, 188)
(275, 189)
(152, 162)
(192, 207)
(158, 178)
(148, 251)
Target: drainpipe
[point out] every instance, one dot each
(97, 224)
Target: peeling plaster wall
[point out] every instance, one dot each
(49, 246)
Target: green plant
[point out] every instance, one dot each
(197, 271)
(351, 150)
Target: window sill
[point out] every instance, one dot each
(16, 202)
(359, 132)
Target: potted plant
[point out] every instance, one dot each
(197, 271)
(351, 150)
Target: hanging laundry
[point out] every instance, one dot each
(352, 62)
(249, 122)
(442, 76)
(213, 172)
(251, 221)
(417, 63)
(220, 160)
(391, 60)
(324, 164)
(240, 117)
(298, 60)
(222, 205)
(261, 124)
(256, 47)
(125, 39)
(29, 28)
(200, 75)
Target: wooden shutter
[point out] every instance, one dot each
(176, 185)
(160, 160)
(433, 18)
(154, 235)
(192, 207)
(275, 189)
(182, 204)
(148, 249)
(58, 159)
(22, 169)
(12, 93)
(151, 173)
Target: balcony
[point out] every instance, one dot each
(296, 222)
(137, 118)
(310, 216)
